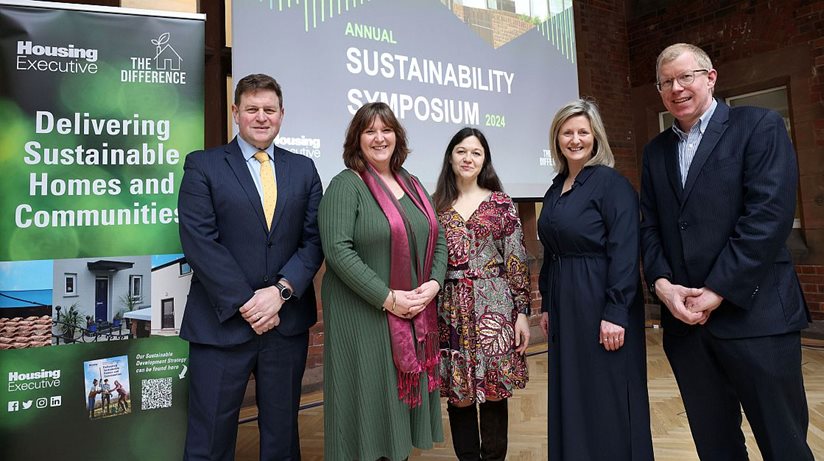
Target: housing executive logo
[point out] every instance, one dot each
(42, 379)
(62, 59)
(162, 65)
(306, 146)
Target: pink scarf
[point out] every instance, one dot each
(414, 342)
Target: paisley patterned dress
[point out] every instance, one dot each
(486, 287)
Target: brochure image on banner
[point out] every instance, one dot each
(107, 381)
(441, 65)
(98, 112)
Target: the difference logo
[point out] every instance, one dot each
(163, 66)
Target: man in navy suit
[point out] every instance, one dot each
(718, 194)
(251, 301)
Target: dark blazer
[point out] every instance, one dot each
(726, 228)
(225, 240)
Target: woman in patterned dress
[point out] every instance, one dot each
(483, 307)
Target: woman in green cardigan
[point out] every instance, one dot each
(385, 263)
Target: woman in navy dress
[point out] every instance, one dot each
(592, 301)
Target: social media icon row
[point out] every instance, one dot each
(42, 402)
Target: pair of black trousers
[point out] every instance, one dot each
(217, 383)
(717, 377)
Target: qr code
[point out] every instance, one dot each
(156, 393)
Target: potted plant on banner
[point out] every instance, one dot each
(70, 322)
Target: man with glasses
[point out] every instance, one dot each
(718, 197)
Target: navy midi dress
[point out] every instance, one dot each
(598, 401)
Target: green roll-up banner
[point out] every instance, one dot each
(99, 107)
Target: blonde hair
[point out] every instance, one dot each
(602, 154)
(672, 53)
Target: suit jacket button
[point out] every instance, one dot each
(265, 278)
(683, 225)
(269, 245)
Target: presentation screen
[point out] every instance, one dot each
(501, 66)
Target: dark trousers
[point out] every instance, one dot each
(217, 383)
(717, 377)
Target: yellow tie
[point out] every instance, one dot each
(270, 189)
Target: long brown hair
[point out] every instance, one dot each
(363, 119)
(446, 191)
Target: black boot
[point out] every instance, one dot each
(463, 421)
(494, 428)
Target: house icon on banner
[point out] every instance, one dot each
(166, 58)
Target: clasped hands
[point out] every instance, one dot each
(408, 304)
(689, 305)
(261, 310)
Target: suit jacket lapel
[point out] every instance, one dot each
(715, 128)
(671, 164)
(237, 163)
(282, 175)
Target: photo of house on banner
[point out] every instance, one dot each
(25, 304)
(92, 297)
(171, 277)
(107, 387)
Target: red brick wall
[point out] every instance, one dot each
(504, 25)
(507, 26)
(604, 75)
(812, 282)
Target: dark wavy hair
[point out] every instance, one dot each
(363, 119)
(446, 191)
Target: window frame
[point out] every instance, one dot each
(67, 276)
(137, 297)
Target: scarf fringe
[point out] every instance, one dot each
(432, 360)
(409, 383)
(409, 388)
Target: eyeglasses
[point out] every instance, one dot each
(684, 79)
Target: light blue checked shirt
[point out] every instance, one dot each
(688, 142)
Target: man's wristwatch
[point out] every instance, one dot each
(285, 292)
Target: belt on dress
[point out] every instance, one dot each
(475, 274)
(556, 256)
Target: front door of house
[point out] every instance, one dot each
(101, 299)
(168, 308)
